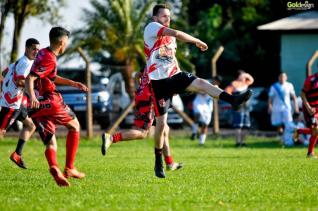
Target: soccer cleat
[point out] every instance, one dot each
(17, 159)
(174, 166)
(106, 142)
(311, 156)
(159, 170)
(241, 98)
(193, 136)
(73, 173)
(59, 177)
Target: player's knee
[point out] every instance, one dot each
(29, 126)
(74, 125)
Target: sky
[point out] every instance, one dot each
(34, 27)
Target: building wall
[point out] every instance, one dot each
(296, 49)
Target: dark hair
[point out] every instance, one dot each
(56, 33)
(31, 41)
(156, 8)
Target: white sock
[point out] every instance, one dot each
(202, 138)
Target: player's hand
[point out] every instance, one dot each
(81, 86)
(311, 111)
(201, 45)
(34, 103)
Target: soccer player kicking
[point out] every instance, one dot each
(12, 97)
(50, 110)
(310, 110)
(144, 117)
(167, 79)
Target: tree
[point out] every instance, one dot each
(48, 10)
(116, 27)
(4, 12)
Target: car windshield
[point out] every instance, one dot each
(78, 75)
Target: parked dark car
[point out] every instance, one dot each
(260, 119)
(76, 99)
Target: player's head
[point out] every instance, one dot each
(161, 14)
(282, 78)
(32, 47)
(59, 38)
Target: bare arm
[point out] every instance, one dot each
(249, 80)
(270, 105)
(20, 82)
(64, 81)
(295, 103)
(29, 86)
(310, 110)
(185, 38)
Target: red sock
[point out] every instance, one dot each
(117, 137)
(72, 142)
(168, 160)
(304, 131)
(50, 155)
(312, 143)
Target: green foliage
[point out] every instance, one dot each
(115, 27)
(217, 176)
(233, 25)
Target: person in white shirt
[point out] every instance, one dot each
(166, 77)
(279, 103)
(202, 109)
(12, 96)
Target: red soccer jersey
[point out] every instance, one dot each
(45, 68)
(311, 90)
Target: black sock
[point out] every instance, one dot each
(19, 148)
(226, 97)
(158, 152)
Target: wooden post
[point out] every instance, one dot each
(89, 109)
(310, 63)
(214, 59)
(183, 115)
(121, 117)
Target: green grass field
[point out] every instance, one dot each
(263, 176)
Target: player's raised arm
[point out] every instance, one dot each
(64, 81)
(185, 38)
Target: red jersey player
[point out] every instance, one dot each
(50, 110)
(310, 110)
(144, 117)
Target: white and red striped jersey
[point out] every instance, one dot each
(160, 52)
(11, 95)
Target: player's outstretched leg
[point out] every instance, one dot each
(241, 98)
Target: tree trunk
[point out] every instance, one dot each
(19, 17)
(5, 9)
(129, 81)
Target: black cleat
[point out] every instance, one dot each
(159, 170)
(241, 98)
